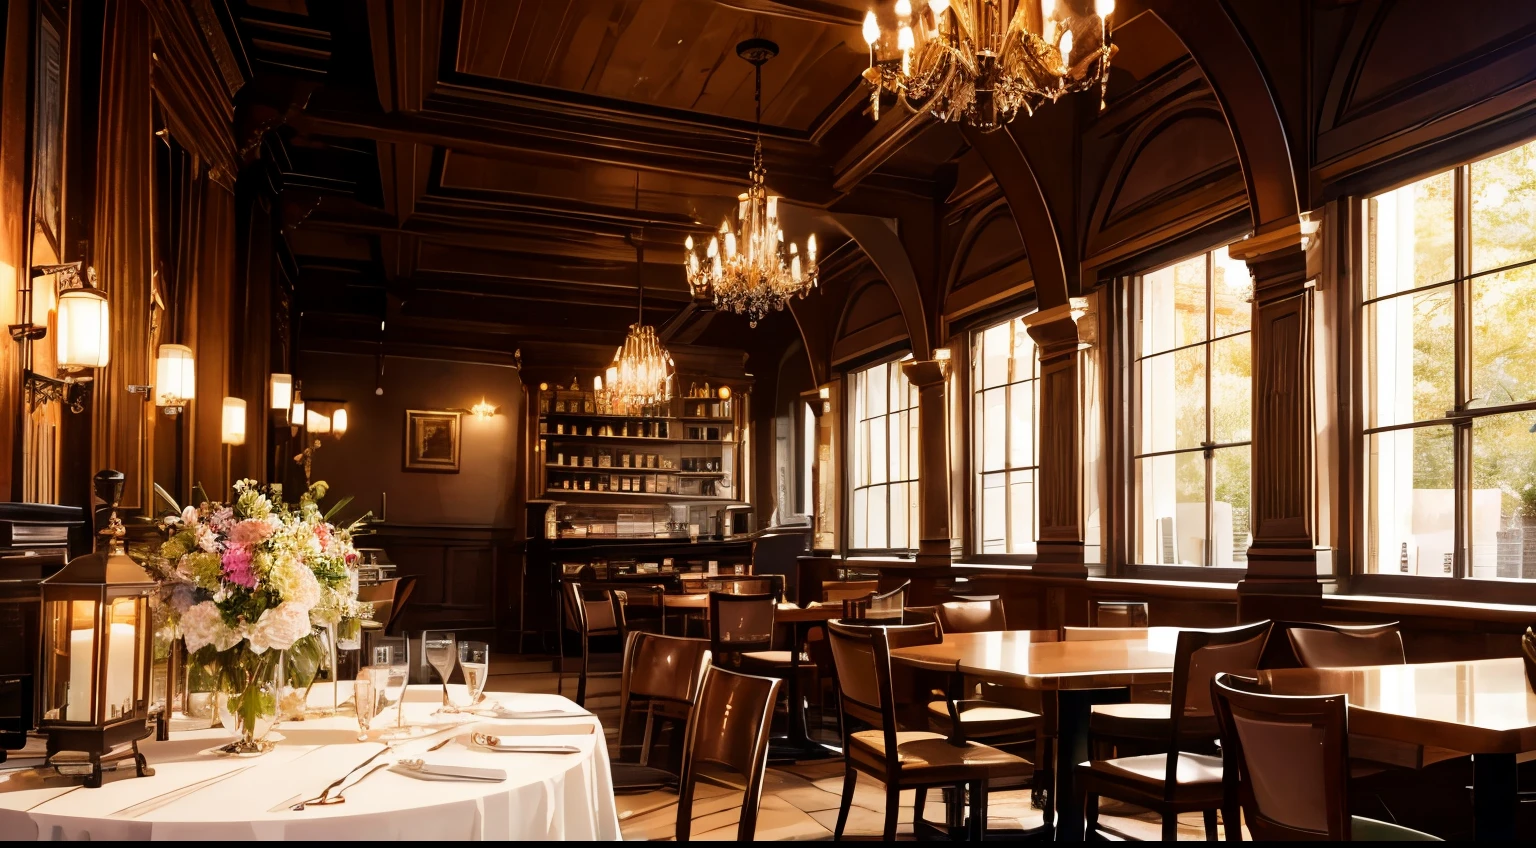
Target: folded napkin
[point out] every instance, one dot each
(437, 771)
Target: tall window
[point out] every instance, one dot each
(884, 459)
(1450, 349)
(1004, 378)
(1193, 378)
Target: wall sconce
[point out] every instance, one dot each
(485, 410)
(942, 356)
(175, 378)
(84, 339)
(296, 406)
(234, 421)
(282, 391)
(316, 424)
(339, 422)
(725, 392)
(321, 418)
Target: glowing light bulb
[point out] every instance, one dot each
(810, 246)
(904, 8)
(904, 38)
(939, 7)
(1066, 47)
(688, 243)
(871, 29)
(1104, 8)
(714, 248)
(730, 245)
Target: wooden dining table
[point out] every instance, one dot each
(1078, 674)
(1485, 708)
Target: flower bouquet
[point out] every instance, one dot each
(249, 586)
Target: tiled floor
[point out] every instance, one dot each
(800, 801)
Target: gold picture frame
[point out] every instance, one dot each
(432, 440)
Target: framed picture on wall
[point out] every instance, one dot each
(432, 440)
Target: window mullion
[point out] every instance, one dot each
(1210, 415)
(1461, 432)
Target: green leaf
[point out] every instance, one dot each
(163, 495)
(200, 495)
(338, 507)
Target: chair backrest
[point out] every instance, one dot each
(382, 596)
(1528, 653)
(739, 623)
(660, 670)
(862, 655)
(1286, 758)
(1335, 645)
(1119, 614)
(1099, 634)
(728, 731)
(847, 590)
(1198, 658)
(887, 606)
(593, 610)
(972, 616)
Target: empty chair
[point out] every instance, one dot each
(902, 759)
(1179, 780)
(847, 590)
(596, 612)
(886, 607)
(1337, 646)
(982, 718)
(661, 678)
(1287, 765)
(1144, 718)
(727, 744)
(1528, 653)
(1118, 614)
(971, 616)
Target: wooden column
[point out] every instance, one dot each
(930, 377)
(1282, 561)
(1060, 343)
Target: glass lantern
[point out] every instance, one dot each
(97, 654)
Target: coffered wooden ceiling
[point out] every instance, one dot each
(480, 173)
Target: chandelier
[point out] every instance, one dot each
(641, 373)
(752, 271)
(984, 61)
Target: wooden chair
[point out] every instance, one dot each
(662, 675)
(1286, 763)
(1140, 722)
(1119, 614)
(599, 615)
(1528, 653)
(727, 744)
(903, 759)
(1179, 780)
(389, 598)
(886, 607)
(1336, 646)
(847, 590)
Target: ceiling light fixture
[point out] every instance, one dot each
(752, 271)
(984, 61)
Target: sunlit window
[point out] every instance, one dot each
(1004, 380)
(1449, 308)
(1192, 440)
(884, 459)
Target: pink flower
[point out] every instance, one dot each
(237, 566)
(323, 533)
(252, 531)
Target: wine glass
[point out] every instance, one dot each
(442, 651)
(366, 700)
(391, 667)
(475, 662)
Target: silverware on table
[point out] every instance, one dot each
(428, 771)
(495, 743)
(326, 792)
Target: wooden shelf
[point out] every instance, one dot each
(608, 469)
(655, 440)
(609, 416)
(565, 495)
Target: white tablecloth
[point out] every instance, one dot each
(546, 796)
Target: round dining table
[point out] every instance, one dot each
(196, 793)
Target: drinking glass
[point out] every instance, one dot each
(366, 701)
(441, 651)
(391, 664)
(475, 662)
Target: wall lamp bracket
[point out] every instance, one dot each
(42, 390)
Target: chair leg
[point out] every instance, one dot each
(892, 810)
(1090, 816)
(1170, 827)
(1232, 820)
(918, 803)
(978, 822)
(1210, 826)
(850, 779)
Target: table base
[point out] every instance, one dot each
(1495, 797)
(1074, 707)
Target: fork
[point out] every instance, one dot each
(326, 792)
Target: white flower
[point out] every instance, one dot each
(189, 515)
(278, 628)
(202, 625)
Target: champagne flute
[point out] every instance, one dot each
(441, 651)
(475, 662)
(391, 672)
(366, 701)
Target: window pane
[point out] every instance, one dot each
(860, 396)
(1231, 389)
(1021, 424)
(1231, 290)
(1412, 236)
(1173, 306)
(860, 448)
(1021, 509)
(874, 388)
(1412, 357)
(1230, 534)
(1504, 337)
(878, 454)
(1173, 400)
(1411, 513)
(994, 356)
(860, 518)
(1025, 361)
(1172, 509)
(1503, 206)
(994, 412)
(896, 386)
(878, 496)
(994, 514)
(911, 542)
(1504, 496)
(898, 537)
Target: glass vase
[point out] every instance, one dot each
(250, 686)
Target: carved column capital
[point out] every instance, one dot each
(1063, 330)
(1282, 258)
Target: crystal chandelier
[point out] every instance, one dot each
(752, 272)
(984, 61)
(641, 373)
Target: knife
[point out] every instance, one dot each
(427, 771)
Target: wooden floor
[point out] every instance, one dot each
(800, 801)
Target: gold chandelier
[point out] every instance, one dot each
(641, 373)
(752, 272)
(984, 61)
